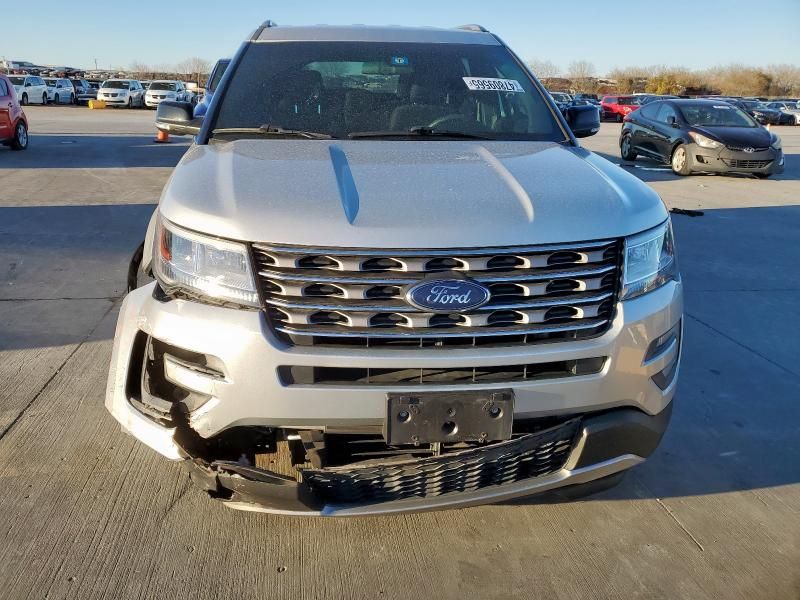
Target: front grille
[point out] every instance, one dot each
(522, 457)
(349, 376)
(746, 164)
(741, 148)
(356, 297)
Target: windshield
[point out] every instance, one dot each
(342, 88)
(717, 115)
(163, 85)
(17, 80)
(50, 82)
(632, 101)
(116, 84)
(560, 97)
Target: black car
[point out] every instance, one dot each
(654, 97)
(763, 113)
(701, 136)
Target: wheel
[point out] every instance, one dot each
(619, 118)
(72, 99)
(20, 141)
(24, 101)
(626, 148)
(680, 161)
(56, 100)
(44, 99)
(130, 102)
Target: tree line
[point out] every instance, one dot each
(192, 69)
(733, 79)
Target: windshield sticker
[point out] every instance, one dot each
(493, 85)
(722, 107)
(400, 61)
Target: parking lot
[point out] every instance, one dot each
(88, 512)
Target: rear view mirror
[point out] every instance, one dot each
(176, 118)
(583, 120)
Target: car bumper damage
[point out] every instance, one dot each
(202, 384)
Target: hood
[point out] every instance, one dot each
(756, 137)
(399, 194)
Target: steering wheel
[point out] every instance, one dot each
(446, 119)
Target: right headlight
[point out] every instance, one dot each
(649, 261)
(205, 267)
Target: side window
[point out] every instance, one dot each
(610, 100)
(3, 88)
(665, 112)
(650, 111)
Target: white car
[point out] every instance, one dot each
(166, 90)
(121, 92)
(29, 88)
(60, 91)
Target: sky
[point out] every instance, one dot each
(694, 34)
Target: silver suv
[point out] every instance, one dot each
(388, 279)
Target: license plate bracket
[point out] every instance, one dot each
(430, 417)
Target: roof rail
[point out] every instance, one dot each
(268, 24)
(473, 27)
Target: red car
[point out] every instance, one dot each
(13, 123)
(618, 107)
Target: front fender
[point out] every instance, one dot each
(147, 255)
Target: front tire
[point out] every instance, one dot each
(680, 161)
(44, 99)
(130, 103)
(72, 99)
(626, 149)
(24, 100)
(20, 141)
(619, 118)
(57, 100)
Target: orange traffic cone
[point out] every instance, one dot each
(162, 137)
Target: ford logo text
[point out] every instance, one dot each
(448, 295)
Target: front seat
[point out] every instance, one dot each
(424, 108)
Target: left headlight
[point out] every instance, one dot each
(649, 261)
(206, 267)
(704, 141)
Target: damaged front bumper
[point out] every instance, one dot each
(200, 384)
(575, 452)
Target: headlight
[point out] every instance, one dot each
(218, 270)
(776, 142)
(649, 261)
(703, 141)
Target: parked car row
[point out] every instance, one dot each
(33, 89)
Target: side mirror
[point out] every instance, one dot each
(176, 118)
(583, 120)
(28, 84)
(673, 122)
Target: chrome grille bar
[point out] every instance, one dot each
(332, 293)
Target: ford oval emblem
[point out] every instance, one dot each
(448, 295)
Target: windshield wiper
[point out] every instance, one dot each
(276, 130)
(418, 131)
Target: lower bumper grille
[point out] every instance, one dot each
(524, 457)
(746, 164)
(295, 375)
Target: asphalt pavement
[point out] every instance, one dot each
(87, 512)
